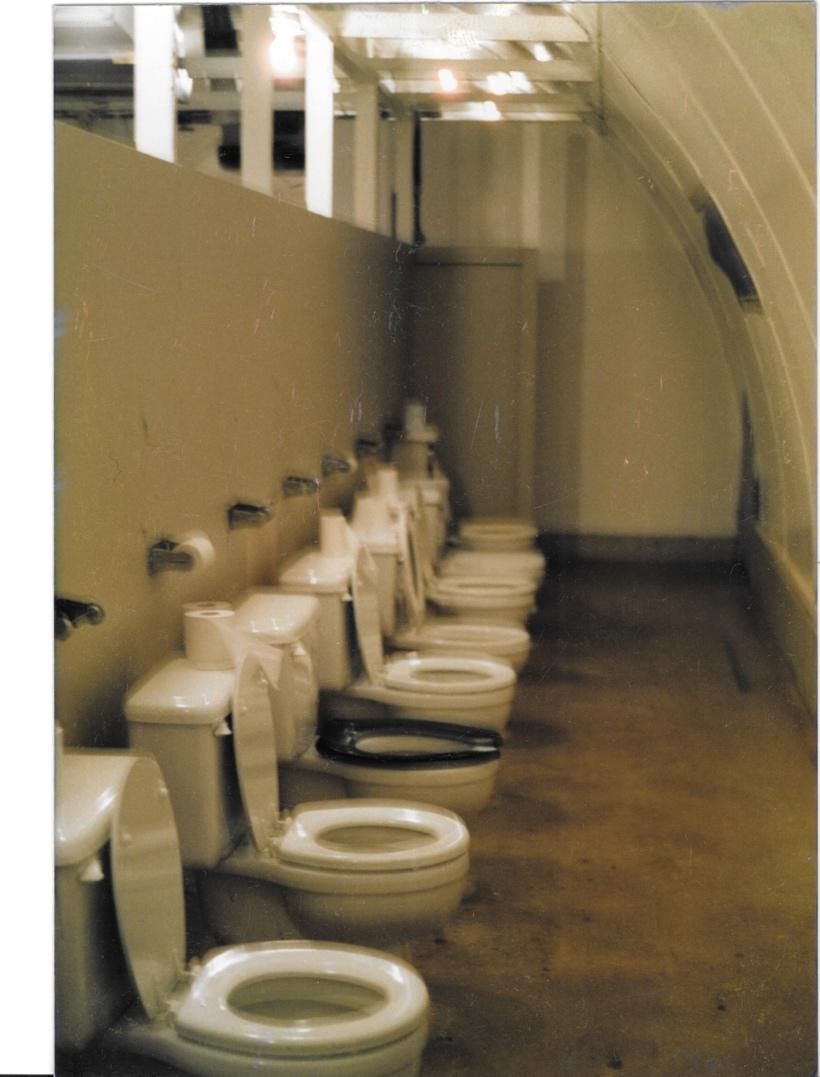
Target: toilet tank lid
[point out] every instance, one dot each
(316, 573)
(89, 781)
(177, 693)
(277, 616)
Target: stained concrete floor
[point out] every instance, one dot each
(643, 894)
(645, 875)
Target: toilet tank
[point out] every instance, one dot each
(182, 716)
(311, 572)
(92, 984)
(377, 532)
(289, 622)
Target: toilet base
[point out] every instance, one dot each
(241, 908)
(358, 702)
(160, 1041)
(314, 778)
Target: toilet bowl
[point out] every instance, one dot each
(420, 630)
(528, 564)
(449, 635)
(272, 1008)
(414, 453)
(450, 688)
(414, 760)
(372, 872)
(488, 596)
(501, 599)
(497, 533)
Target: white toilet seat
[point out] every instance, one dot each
(528, 564)
(387, 1000)
(497, 533)
(437, 675)
(441, 674)
(274, 1000)
(359, 842)
(449, 634)
(399, 837)
(498, 588)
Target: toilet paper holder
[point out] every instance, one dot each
(367, 445)
(166, 554)
(70, 613)
(332, 464)
(294, 485)
(244, 514)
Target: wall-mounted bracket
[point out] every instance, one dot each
(244, 514)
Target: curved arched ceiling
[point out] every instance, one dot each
(717, 102)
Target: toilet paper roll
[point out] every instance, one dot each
(199, 546)
(210, 639)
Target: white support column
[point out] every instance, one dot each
(155, 109)
(366, 157)
(256, 112)
(319, 83)
(403, 177)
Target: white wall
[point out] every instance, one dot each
(638, 428)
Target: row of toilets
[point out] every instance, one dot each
(311, 783)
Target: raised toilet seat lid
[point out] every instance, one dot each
(146, 878)
(343, 835)
(437, 674)
(319, 999)
(375, 835)
(406, 743)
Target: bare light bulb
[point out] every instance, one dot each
(447, 80)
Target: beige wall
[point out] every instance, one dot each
(637, 420)
(727, 107)
(697, 99)
(212, 339)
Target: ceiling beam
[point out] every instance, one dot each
(550, 71)
(551, 102)
(457, 28)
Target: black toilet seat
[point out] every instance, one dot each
(345, 739)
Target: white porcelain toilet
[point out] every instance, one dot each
(529, 564)
(498, 596)
(505, 534)
(415, 456)
(499, 632)
(453, 766)
(439, 687)
(374, 871)
(271, 1008)
(420, 630)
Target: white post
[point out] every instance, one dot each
(403, 177)
(155, 110)
(366, 157)
(319, 81)
(256, 115)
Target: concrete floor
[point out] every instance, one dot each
(645, 875)
(644, 879)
